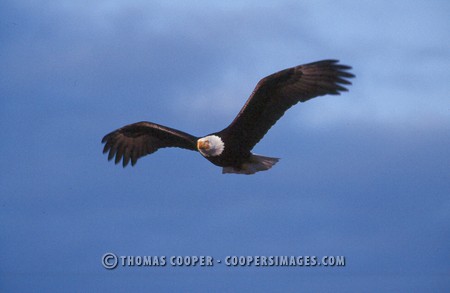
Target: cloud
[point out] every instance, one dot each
(180, 60)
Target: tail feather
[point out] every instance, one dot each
(255, 164)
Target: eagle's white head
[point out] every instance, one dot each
(210, 145)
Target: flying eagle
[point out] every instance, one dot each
(231, 147)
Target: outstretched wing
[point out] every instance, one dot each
(139, 139)
(278, 92)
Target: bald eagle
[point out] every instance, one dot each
(231, 147)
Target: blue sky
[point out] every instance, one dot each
(364, 175)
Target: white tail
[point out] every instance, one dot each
(255, 164)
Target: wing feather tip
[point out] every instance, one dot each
(106, 148)
(111, 154)
(117, 159)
